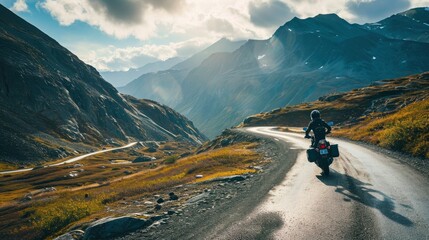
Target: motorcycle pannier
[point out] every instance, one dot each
(311, 155)
(334, 150)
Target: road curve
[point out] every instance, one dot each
(368, 196)
(75, 159)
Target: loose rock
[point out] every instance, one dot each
(112, 227)
(73, 235)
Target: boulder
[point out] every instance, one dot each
(151, 150)
(171, 212)
(144, 159)
(73, 235)
(197, 198)
(106, 228)
(173, 196)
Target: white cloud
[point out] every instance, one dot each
(375, 10)
(186, 25)
(155, 18)
(273, 13)
(106, 58)
(20, 6)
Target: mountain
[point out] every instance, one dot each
(391, 113)
(122, 78)
(411, 25)
(222, 45)
(304, 59)
(165, 86)
(52, 104)
(168, 119)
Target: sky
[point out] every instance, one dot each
(114, 35)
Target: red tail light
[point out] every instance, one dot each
(322, 146)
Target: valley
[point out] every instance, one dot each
(210, 146)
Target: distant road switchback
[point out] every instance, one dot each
(75, 159)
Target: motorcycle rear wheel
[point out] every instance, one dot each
(326, 170)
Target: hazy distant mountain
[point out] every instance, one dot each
(409, 25)
(50, 101)
(168, 119)
(303, 60)
(122, 78)
(165, 86)
(223, 45)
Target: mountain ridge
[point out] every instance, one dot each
(53, 104)
(294, 66)
(121, 78)
(304, 59)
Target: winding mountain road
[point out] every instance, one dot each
(75, 159)
(367, 196)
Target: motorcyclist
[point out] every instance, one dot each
(320, 128)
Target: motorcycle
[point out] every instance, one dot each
(322, 153)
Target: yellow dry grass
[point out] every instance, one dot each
(55, 211)
(406, 130)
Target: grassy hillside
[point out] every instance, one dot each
(391, 113)
(406, 130)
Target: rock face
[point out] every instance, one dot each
(50, 98)
(108, 228)
(303, 60)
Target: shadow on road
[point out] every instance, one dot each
(260, 227)
(362, 192)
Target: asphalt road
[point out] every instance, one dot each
(75, 159)
(367, 196)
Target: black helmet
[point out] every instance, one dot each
(315, 114)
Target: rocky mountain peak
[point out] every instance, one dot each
(323, 25)
(418, 14)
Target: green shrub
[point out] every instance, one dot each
(170, 159)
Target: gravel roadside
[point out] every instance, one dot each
(221, 204)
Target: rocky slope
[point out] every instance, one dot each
(49, 98)
(168, 119)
